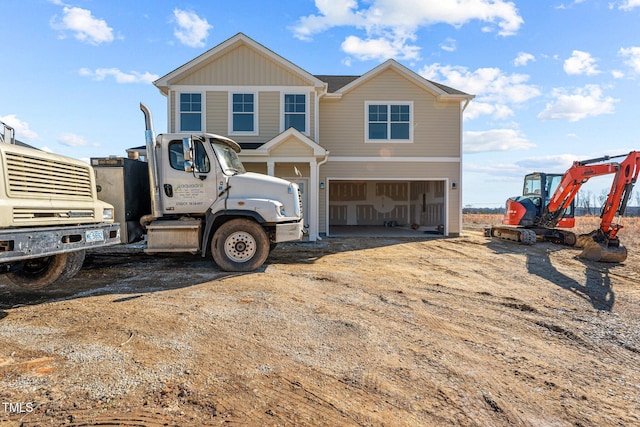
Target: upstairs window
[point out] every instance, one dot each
(389, 122)
(190, 112)
(243, 117)
(295, 112)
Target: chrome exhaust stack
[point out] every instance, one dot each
(149, 137)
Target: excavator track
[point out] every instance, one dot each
(524, 236)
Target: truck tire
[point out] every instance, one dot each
(40, 273)
(240, 245)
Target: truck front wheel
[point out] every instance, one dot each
(39, 273)
(240, 245)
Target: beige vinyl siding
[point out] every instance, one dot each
(217, 114)
(312, 115)
(291, 148)
(172, 112)
(217, 107)
(411, 171)
(436, 125)
(242, 66)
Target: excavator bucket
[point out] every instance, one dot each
(598, 251)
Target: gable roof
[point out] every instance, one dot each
(343, 84)
(299, 136)
(165, 81)
(336, 82)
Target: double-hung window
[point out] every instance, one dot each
(389, 121)
(190, 112)
(243, 113)
(295, 112)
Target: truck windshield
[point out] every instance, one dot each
(229, 161)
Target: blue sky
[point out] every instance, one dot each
(555, 80)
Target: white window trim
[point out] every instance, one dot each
(203, 112)
(306, 114)
(256, 109)
(388, 140)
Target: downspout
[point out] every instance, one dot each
(325, 160)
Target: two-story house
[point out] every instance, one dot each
(381, 149)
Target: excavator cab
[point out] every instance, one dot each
(526, 210)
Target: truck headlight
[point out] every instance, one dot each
(107, 213)
(280, 209)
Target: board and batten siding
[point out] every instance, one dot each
(242, 66)
(388, 170)
(436, 125)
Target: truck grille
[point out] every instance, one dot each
(34, 177)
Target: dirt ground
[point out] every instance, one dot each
(370, 332)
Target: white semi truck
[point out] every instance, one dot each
(197, 197)
(49, 214)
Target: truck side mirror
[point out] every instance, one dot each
(187, 150)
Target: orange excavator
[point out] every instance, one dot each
(547, 206)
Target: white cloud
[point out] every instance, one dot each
(633, 57)
(379, 48)
(617, 74)
(192, 30)
(73, 140)
(523, 59)
(581, 63)
(495, 140)
(588, 101)
(393, 25)
(496, 92)
(332, 13)
(448, 45)
(21, 128)
(120, 77)
(84, 25)
(554, 163)
(629, 4)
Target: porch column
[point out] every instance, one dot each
(271, 167)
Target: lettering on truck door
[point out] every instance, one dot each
(188, 191)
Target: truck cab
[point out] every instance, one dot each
(202, 199)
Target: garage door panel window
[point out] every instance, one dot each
(389, 122)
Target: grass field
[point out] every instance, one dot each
(629, 235)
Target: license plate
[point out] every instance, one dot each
(93, 236)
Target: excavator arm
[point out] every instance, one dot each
(621, 188)
(573, 179)
(626, 175)
(601, 244)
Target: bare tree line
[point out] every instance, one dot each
(591, 204)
